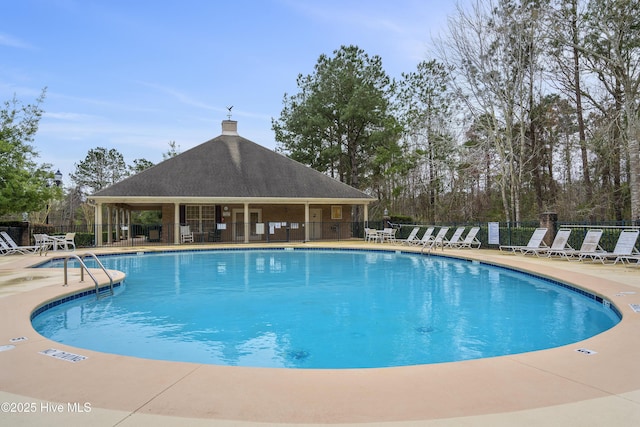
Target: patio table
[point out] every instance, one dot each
(54, 240)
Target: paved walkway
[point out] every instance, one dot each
(556, 387)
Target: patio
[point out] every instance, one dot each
(559, 386)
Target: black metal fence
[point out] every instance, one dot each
(165, 234)
(282, 232)
(520, 233)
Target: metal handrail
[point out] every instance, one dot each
(83, 267)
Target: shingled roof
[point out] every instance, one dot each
(230, 166)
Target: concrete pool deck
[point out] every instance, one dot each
(555, 387)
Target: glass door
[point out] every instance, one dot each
(255, 216)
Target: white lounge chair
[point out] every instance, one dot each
(629, 259)
(438, 240)
(425, 237)
(590, 244)
(186, 235)
(5, 249)
(560, 243)
(15, 248)
(455, 239)
(470, 239)
(625, 246)
(535, 242)
(410, 239)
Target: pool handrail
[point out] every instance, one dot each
(84, 267)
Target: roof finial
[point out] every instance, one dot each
(229, 115)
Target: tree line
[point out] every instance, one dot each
(526, 106)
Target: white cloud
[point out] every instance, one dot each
(180, 96)
(7, 40)
(75, 117)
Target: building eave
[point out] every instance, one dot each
(145, 200)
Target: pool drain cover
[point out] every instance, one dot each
(635, 307)
(63, 355)
(586, 351)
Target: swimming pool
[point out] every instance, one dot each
(323, 309)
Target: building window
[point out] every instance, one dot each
(201, 218)
(336, 212)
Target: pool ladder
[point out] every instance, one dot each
(83, 267)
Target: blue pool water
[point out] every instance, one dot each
(322, 309)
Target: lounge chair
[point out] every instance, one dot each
(425, 237)
(15, 248)
(455, 239)
(186, 236)
(590, 244)
(625, 247)
(470, 239)
(438, 240)
(629, 259)
(535, 242)
(560, 243)
(5, 249)
(410, 239)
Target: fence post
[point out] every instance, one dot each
(549, 220)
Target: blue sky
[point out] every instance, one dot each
(136, 74)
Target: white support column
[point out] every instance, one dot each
(366, 215)
(247, 225)
(306, 222)
(109, 225)
(123, 222)
(128, 224)
(117, 224)
(98, 224)
(176, 223)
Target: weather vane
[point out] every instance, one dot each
(229, 115)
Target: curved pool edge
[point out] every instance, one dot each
(594, 301)
(547, 380)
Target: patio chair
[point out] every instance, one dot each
(436, 241)
(15, 248)
(455, 239)
(560, 243)
(388, 235)
(44, 242)
(470, 239)
(410, 238)
(371, 235)
(535, 242)
(625, 247)
(186, 235)
(69, 241)
(428, 233)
